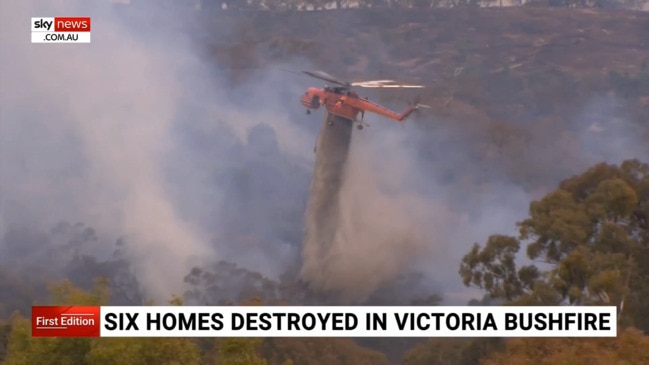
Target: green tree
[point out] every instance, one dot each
(240, 351)
(630, 347)
(143, 351)
(23, 349)
(5, 330)
(313, 351)
(585, 239)
(451, 351)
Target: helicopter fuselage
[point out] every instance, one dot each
(333, 100)
(343, 102)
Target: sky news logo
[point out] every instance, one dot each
(61, 30)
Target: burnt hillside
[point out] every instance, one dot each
(432, 42)
(505, 75)
(512, 63)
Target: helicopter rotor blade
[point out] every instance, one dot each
(326, 77)
(391, 86)
(383, 83)
(321, 75)
(372, 82)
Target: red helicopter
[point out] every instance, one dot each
(340, 100)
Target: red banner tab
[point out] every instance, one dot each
(65, 321)
(72, 24)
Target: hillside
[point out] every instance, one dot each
(584, 42)
(530, 72)
(428, 46)
(513, 63)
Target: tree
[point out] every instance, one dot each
(23, 349)
(451, 351)
(313, 351)
(143, 351)
(630, 347)
(240, 351)
(591, 236)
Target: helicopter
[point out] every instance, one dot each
(340, 100)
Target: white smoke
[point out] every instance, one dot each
(138, 135)
(105, 111)
(388, 218)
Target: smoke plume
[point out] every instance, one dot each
(368, 219)
(141, 137)
(85, 129)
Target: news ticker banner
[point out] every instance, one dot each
(336, 321)
(61, 30)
